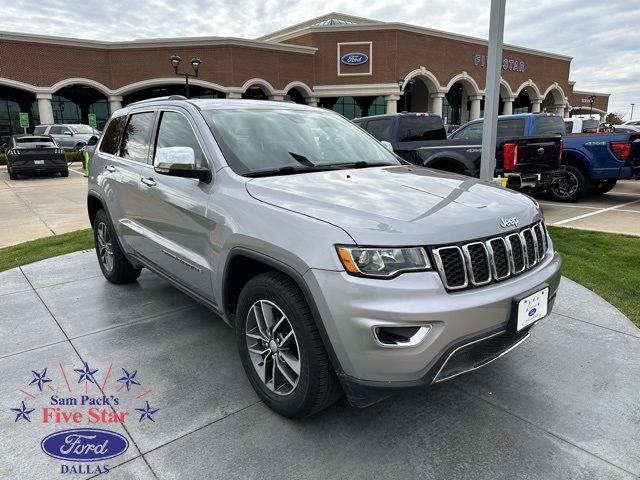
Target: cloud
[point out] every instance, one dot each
(601, 37)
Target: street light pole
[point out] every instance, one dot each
(592, 98)
(407, 89)
(632, 111)
(195, 63)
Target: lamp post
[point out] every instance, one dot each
(592, 98)
(195, 63)
(407, 89)
(632, 111)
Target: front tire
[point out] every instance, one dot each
(114, 265)
(281, 349)
(570, 188)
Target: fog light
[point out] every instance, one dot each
(409, 336)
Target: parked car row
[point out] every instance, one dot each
(45, 150)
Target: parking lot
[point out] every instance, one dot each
(564, 405)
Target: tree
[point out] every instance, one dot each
(614, 118)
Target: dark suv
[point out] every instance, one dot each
(340, 267)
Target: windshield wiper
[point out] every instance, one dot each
(287, 170)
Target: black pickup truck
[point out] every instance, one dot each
(529, 163)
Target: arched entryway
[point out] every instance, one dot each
(74, 103)
(294, 95)
(14, 101)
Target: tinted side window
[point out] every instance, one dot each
(379, 128)
(175, 131)
(511, 128)
(472, 131)
(552, 125)
(39, 130)
(413, 129)
(56, 130)
(137, 137)
(112, 136)
(568, 127)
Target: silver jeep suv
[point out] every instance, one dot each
(341, 268)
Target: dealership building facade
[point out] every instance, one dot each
(353, 65)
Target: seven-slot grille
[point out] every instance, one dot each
(487, 261)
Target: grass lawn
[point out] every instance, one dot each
(29, 252)
(605, 263)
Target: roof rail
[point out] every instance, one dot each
(155, 99)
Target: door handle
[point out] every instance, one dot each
(148, 181)
(110, 168)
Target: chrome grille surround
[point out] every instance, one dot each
(486, 261)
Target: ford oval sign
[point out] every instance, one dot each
(84, 444)
(354, 59)
(532, 312)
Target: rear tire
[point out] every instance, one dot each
(569, 189)
(113, 263)
(603, 186)
(281, 349)
(64, 173)
(12, 175)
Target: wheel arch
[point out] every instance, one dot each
(574, 161)
(244, 264)
(94, 205)
(455, 159)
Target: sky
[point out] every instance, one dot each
(602, 36)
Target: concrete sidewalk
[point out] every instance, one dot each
(564, 405)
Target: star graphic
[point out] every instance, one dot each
(23, 412)
(40, 378)
(129, 379)
(146, 412)
(85, 373)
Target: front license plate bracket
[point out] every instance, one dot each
(528, 308)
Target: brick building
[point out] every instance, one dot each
(350, 64)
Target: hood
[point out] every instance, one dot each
(399, 205)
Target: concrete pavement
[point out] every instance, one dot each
(563, 405)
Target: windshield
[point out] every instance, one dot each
(284, 141)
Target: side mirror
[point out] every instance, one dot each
(179, 162)
(93, 140)
(68, 133)
(387, 145)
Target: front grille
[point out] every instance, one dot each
(482, 262)
(479, 353)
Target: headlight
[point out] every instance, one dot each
(382, 262)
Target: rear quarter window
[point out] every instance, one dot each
(112, 135)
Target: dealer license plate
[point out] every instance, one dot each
(532, 308)
(39, 162)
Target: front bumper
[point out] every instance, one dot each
(351, 309)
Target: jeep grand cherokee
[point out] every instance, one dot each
(341, 267)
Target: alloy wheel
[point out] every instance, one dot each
(273, 347)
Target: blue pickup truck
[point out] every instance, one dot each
(593, 162)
